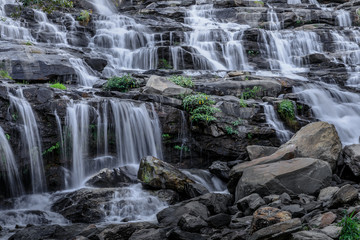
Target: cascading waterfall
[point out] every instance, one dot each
(30, 139)
(343, 18)
(134, 132)
(273, 120)
(8, 167)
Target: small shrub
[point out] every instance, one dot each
(182, 148)
(199, 107)
(122, 84)
(58, 86)
(350, 228)
(237, 122)
(52, 148)
(251, 92)
(7, 136)
(163, 64)
(242, 103)
(230, 130)
(5, 74)
(84, 17)
(28, 43)
(182, 81)
(286, 110)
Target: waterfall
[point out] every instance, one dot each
(273, 120)
(8, 167)
(343, 18)
(30, 139)
(131, 132)
(82, 71)
(331, 104)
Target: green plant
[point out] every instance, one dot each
(261, 3)
(166, 136)
(182, 81)
(251, 92)
(84, 17)
(230, 130)
(249, 136)
(7, 136)
(58, 86)
(350, 227)
(242, 103)
(182, 148)
(299, 107)
(28, 43)
(5, 74)
(163, 64)
(246, 78)
(237, 122)
(199, 107)
(286, 110)
(45, 5)
(121, 84)
(14, 116)
(52, 148)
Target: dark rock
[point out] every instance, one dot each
(191, 223)
(285, 198)
(219, 220)
(167, 195)
(256, 151)
(267, 216)
(310, 235)
(327, 194)
(220, 169)
(215, 202)
(97, 64)
(345, 195)
(148, 234)
(124, 231)
(281, 230)
(178, 234)
(351, 155)
(44, 95)
(250, 203)
(240, 222)
(295, 209)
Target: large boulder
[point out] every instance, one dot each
(351, 155)
(256, 151)
(318, 140)
(158, 174)
(162, 86)
(299, 175)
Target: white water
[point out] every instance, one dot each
(207, 179)
(30, 139)
(274, 121)
(8, 167)
(343, 18)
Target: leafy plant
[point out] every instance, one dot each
(237, 122)
(122, 84)
(230, 130)
(52, 148)
(84, 17)
(28, 43)
(251, 92)
(350, 228)
(261, 3)
(7, 136)
(45, 5)
(58, 86)
(182, 81)
(166, 136)
(14, 116)
(199, 107)
(163, 64)
(286, 110)
(5, 74)
(182, 148)
(242, 103)
(249, 136)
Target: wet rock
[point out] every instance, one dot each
(148, 234)
(162, 86)
(281, 230)
(351, 155)
(191, 223)
(157, 174)
(215, 202)
(299, 175)
(118, 177)
(219, 220)
(250, 203)
(317, 140)
(256, 151)
(220, 169)
(44, 95)
(97, 64)
(266, 216)
(346, 194)
(310, 235)
(322, 220)
(167, 195)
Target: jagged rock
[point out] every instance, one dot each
(281, 230)
(299, 175)
(123, 231)
(271, 198)
(97, 64)
(267, 216)
(285, 198)
(215, 202)
(148, 234)
(240, 222)
(191, 223)
(178, 234)
(317, 140)
(295, 209)
(256, 151)
(327, 194)
(310, 235)
(219, 220)
(351, 155)
(250, 203)
(220, 169)
(332, 231)
(346, 194)
(157, 174)
(117, 177)
(322, 220)
(162, 86)
(167, 195)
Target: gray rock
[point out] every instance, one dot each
(271, 198)
(332, 231)
(267, 216)
(346, 194)
(322, 220)
(280, 230)
(310, 235)
(162, 86)
(285, 198)
(256, 151)
(295, 209)
(299, 175)
(191, 223)
(327, 194)
(148, 234)
(351, 155)
(240, 222)
(251, 202)
(215, 202)
(220, 169)
(44, 95)
(219, 220)
(178, 234)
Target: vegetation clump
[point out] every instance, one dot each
(286, 110)
(251, 92)
(47, 6)
(84, 17)
(350, 227)
(199, 107)
(5, 74)
(58, 86)
(182, 81)
(122, 84)
(164, 64)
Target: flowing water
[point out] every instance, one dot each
(274, 121)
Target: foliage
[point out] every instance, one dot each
(249, 136)
(230, 130)
(251, 92)
(166, 136)
(7, 136)
(5, 74)
(46, 5)
(237, 122)
(163, 64)
(286, 110)
(28, 43)
(182, 148)
(182, 81)
(52, 148)
(84, 17)
(350, 227)
(261, 3)
(121, 84)
(58, 86)
(242, 103)
(199, 107)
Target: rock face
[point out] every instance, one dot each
(162, 86)
(299, 175)
(157, 174)
(351, 155)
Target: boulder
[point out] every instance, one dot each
(332, 231)
(178, 234)
(310, 235)
(118, 177)
(148, 234)
(295, 209)
(162, 86)
(267, 216)
(318, 140)
(191, 223)
(124, 231)
(256, 151)
(345, 195)
(327, 194)
(219, 220)
(158, 174)
(299, 175)
(351, 156)
(250, 203)
(220, 169)
(322, 220)
(240, 222)
(281, 230)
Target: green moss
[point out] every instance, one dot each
(58, 86)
